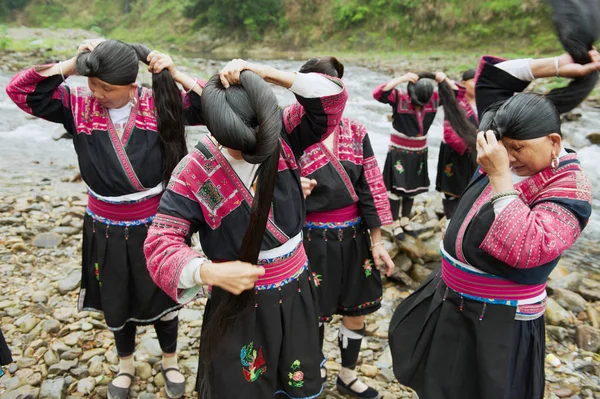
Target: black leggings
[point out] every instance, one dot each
(166, 331)
(407, 204)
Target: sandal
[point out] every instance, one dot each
(174, 390)
(398, 232)
(115, 392)
(369, 393)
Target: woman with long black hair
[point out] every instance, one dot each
(240, 190)
(128, 139)
(342, 233)
(475, 328)
(405, 171)
(456, 161)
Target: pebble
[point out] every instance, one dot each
(86, 385)
(47, 240)
(53, 389)
(51, 326)
(70, 283)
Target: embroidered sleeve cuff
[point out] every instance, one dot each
(520, 69)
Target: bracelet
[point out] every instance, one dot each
(61, 70)
(504, 194)
(556, 65)
(376, 244)
(192, 88)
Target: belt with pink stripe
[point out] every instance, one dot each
(282, 270)
(413, 143)
(530, 300)
(340, 215)
(123, 212)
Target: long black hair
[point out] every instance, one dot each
(453, 112)
(524, 116)
(247, 118)
(326, 65)
(117, 63)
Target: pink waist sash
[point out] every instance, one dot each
(409, 142)
(283, 269)
(487, 287)
(124, 212)
(335, 216)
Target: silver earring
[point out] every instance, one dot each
(555, 163)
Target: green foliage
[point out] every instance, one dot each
(248, 18)
(7, 7)
(5, 40)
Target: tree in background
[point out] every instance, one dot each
(245, 18)
(7, 7)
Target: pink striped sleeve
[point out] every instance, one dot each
(523, 238)
(378, 191)
(167, 254)
(386, 97)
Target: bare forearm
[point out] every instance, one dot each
(273, 75)
(392, 83)
(68, 69)
(187, 82)
(501, 183)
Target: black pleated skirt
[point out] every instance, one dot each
(454, 171)
(115, 279)
(405, 172)
(348, 283)
(273, 351)
(445, 346)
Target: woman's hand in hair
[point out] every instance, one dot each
(307, 186)
(230, 75)
(492, 155)
(157, 62)
(570, 69)
(440, 77)
(88, 46)
(410, 77)
(234, 276)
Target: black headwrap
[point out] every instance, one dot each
(421, 92)
(468, 75)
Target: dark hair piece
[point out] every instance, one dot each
(421, 92)
(244, 118)
(326, 65)
(468, 75)
(577, 23)
(524, 116)
(117, 63)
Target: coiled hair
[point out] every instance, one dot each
(117, 63)
(247, 118)
(326, 65)
(524, 116)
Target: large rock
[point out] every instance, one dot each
(588, 338)
(187, 314)
(62, 367)
(556, 315)
(53, 389)
(571, 282)
(70, 283)
(419, 273)
(86, 386)
(560, 334)
(413, 247)
(51, 326)
(569, 300)
(594, 138)
(47, 240)
(24, 392)
(590, 289)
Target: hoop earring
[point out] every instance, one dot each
(555, 163)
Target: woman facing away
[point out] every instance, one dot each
(128, 140)
(405, 171)
(348, 198)
(456, 161)
(240, 190)
(475, 328)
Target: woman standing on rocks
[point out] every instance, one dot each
(475, 328)
(405, 171)
(456, 165)
(349, 197)
(260, 330)
(128, 140)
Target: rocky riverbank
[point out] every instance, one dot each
(62, 353)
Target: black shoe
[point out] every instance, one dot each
(370, 393)
(115, 392)
(174, 390)
(398, 232)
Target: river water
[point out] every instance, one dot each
(32, 160)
